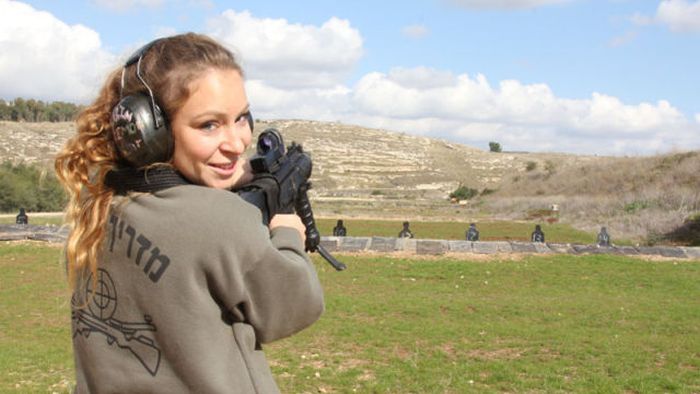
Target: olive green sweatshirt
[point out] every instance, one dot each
(189, 285)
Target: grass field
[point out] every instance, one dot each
(40, 219)
(434, 325)
(489, 230)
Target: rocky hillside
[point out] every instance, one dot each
(357, 171)
(362, 172)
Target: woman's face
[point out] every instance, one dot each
(212, 132)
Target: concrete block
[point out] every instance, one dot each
(353, 244)
(4, 236)
(561, 248)
(459, 246)
(330, 243)
(625, 250)
(522, 247)
(407, 245)
(431, 246)
(586, 249)
(485, 247)
(503, 246)
(15, 232)
(691, 251)
(48, 237)
(382, 244)
(594, 249)
(666, 251)
(542, 247)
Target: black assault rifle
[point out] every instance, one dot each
(280, 185)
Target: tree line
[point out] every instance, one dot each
(31, 187)
(21, 110)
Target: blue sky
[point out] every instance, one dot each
(605, 77)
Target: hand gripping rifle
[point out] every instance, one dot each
(280, 185)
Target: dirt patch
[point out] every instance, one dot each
(496, 354)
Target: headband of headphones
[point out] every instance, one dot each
(140, 130)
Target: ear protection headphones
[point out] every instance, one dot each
(139, 127)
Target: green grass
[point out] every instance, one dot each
(44, 220)
(435, 325)
(488, 230)
(35, 348)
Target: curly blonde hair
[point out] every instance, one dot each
(169, 66)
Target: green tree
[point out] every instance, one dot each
(32, 110)
(494, 146)
(29, 187)
(464, 193)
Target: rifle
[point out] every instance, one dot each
(280, 185)
(126, 335)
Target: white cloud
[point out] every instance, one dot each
(504, 4)
(271, 102)
(290, 55)
(623, 39)
(49, 59)
(415, 31)
(472, 111)
(678, 15)
(123, 5)
(642, 20)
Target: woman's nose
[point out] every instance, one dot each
(235, 140)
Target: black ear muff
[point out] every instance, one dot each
(140, 131)
(139, 127)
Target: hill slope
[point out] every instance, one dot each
(368, 172)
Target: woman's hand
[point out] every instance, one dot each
(289, 220)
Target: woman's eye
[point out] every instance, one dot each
(209, 126)
(243, 118)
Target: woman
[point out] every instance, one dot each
(176, 284)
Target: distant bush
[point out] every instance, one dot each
(494, 146)
(464, 193)
(531, 165)
(29, 187)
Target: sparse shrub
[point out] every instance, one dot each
(464, 193)
(635, 206)
(487, 191)
(494, 146)
(549, 168)
(377, 192)
(531, 165)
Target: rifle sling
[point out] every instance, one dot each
(149, 180)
